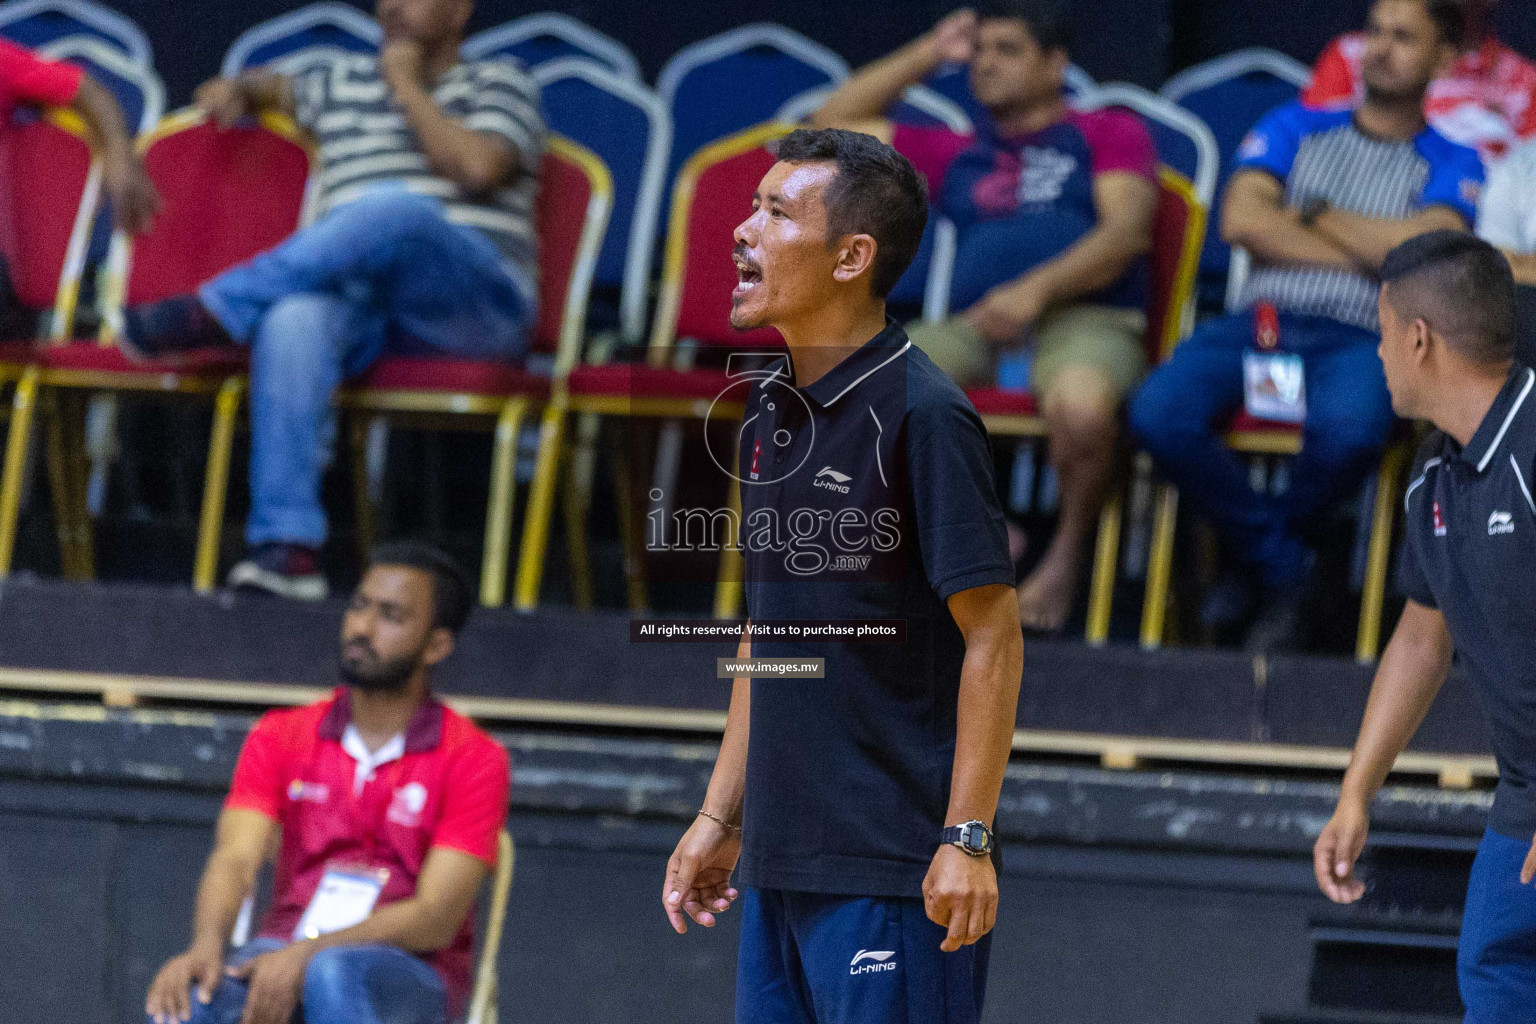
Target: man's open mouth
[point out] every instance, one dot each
(748, 276)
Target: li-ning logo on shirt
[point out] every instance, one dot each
(407, 804)
(838, 481)
(1500, 522)
(314, 792)
(880, 961)
(1439, 520)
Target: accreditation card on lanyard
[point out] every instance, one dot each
(1274, 382)
(345, 897)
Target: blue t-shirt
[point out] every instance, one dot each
(1324, 154)
(867, 494)
(1020, 201)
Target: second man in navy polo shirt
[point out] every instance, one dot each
(859, 804)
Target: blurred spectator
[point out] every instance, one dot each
(385, 808)
(1485, 99)
(1318, 199)
(1054, 208)
(428, 176)
(1506, 216)
(28, 79)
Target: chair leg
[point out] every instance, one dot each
(1373, 593)
(1106, 558)
(575, 502)
(78, 463)
(1154, 609)
(56, 459)
(216, 484)
(631, 531)
(23, 406)
(499, 511)
(358, 425)
(541, 498)
(728, 583)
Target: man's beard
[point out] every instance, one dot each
(377, 676)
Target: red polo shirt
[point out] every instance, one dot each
(448, 787)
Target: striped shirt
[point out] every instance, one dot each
(364, 141)
(1322, 154)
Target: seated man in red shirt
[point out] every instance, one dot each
(389, 806)
(26, 79)
(1485, 100)
(1054, 208)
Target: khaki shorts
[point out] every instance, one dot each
(1107, 339)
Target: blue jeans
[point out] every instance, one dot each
(1176, 413)
(1496, 961)
(385, 272)
(343, 985)
(808, 958)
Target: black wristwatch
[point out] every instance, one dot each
(1311, 209)
(973, 837)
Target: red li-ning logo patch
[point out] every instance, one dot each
(757, 449)
(1439, 521)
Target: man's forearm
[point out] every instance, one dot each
(876, 87)
(989, 704)
(265, 90)
(1275, 238)
(459, 154)
(1412, 670)
(105, 118)
(1369, 239)
(407, 924)
(729, 779)
(225, 885)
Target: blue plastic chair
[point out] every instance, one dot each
(1230, 94)
(721, 85)
(321, 26)
(36, 23)
(542, 38)
(627, 125)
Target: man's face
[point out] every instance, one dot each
(783, 265)
(421, 21)
(1403, 50)
(1010, 70)
(1399, 357)
(387, 629)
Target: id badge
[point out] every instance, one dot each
(345, 897)
(1274, 386)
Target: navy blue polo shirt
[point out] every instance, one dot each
(867, 494)
(1470, 551)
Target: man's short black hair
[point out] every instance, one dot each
(1048, 21)
(877, 192)
(452, 595)
(1452, 17)
(1461, 286)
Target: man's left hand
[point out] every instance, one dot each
(276, 981)
(960, 893)
(1007, 311)
(134, 199)
(401, 64)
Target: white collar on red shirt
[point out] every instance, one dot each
(368, 761)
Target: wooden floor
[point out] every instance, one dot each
(1451, 771)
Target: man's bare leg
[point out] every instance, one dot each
(1082, 414)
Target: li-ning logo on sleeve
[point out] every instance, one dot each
(880, 961)
(1500, 522)
(1439, 520)
(832, 480)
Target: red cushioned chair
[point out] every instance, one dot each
(227, 195)
(51, 183)
(713, 194)
(575, 199)
(1177, 236)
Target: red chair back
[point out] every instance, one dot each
(575, 198)
(1178, 234)
(227, 195)
(45, 165)
(713, 194)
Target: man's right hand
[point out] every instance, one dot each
(1338, 848)
(954, 38)
(170, 994)
(222, 99)
(699, 874)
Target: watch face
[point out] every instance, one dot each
(975, 839)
